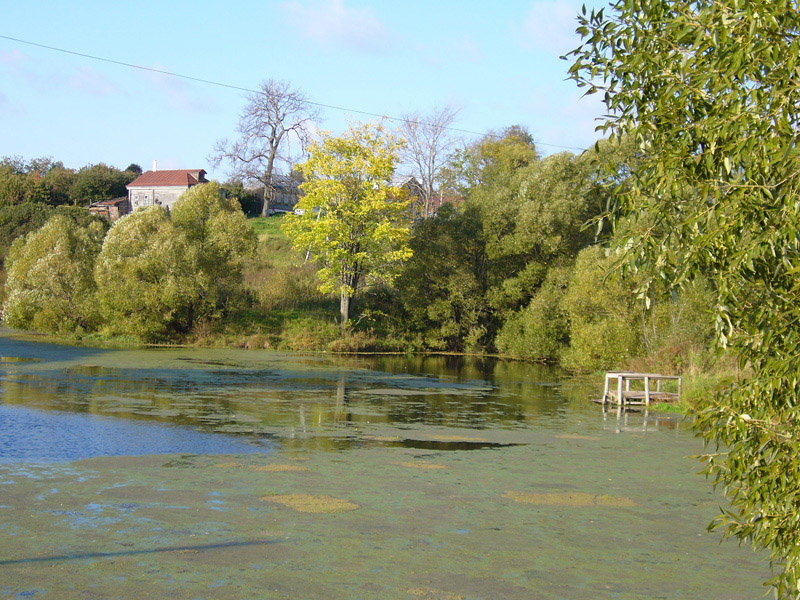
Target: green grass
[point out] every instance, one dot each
(267, 225)
(681, 407)
(274, 247)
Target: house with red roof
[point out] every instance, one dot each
(162, 188)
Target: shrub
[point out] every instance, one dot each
(50, 285)
(309, 333)
(540, 330)
(601, 309)
(147, 285)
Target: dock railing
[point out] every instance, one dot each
(621, 393)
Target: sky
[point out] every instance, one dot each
(497, 63)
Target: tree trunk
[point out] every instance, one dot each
(344, 309)
(265, 204)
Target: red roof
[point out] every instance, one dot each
(179, 177)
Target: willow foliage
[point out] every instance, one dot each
(146, 283)
(50, 283)
(710, 91)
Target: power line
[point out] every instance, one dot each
(251, 91)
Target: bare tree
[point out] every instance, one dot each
(428, 145)
(270, 119)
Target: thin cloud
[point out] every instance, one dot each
(89, 81)
(43, 78)
(179, 93)
(464, 48)
(10, 107)
(14, 59)
(550, 27)
(332, 24)
(28, 69)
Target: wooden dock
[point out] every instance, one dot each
(621, 392)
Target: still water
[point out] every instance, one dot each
(196, 473)
(55, 401)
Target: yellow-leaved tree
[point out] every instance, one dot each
(354, 222)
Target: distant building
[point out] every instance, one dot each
(162, 188)
(111, 209)
(286, 192)
(415, 193)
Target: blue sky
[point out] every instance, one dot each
(498, 62)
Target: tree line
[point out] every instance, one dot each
(49, 182)
(511, 269)
(505, 271)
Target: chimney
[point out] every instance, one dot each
(155, 165)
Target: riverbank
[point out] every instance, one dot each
(698, 385)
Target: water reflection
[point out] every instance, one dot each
(317, 401)
(638, 419)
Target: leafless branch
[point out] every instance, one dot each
(270, 119)
(428, 146)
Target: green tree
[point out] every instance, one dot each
(540, 330)
(12, 185)
(17, 220)
(442, 287)
(50, 285)
(36, 180)
(710, 90)
(601, 309)
(146, 279)
(534, 221)
(250, 200)
(221, 239)
(99, 182)
(354, 224)
(489, 159)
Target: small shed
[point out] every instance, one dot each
(111, 209)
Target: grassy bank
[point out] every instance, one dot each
(282, 307)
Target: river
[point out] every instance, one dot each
(196, 473)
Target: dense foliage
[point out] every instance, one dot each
(710, 92)
(43, 180)
(514, 269)
(506, 265)
(50, 277)
(151, 276)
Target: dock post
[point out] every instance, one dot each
(646, 390)
(620, 396)
(605, 389)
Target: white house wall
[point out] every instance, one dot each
(165, 196)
